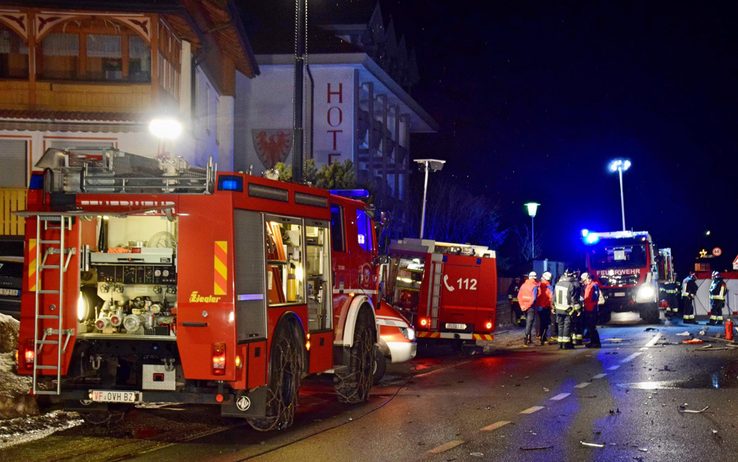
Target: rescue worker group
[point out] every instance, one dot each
(569, 309)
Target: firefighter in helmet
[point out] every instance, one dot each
(689, 292)
(527, 296)
(671, 294)
(591, 297)
(577, 317)
(512, 295)
(718, 290)
(543, 305)
(566, 305)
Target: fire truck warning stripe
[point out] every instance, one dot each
(32, 265)
(220, 273)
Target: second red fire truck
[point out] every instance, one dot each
(156, 282)
(447, 290)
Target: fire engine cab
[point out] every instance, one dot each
(625, 264)
(447, 290)
(152, 281)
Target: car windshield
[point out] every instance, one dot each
(616, 255)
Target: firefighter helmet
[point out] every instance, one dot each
(584, 276)
(715, 274)
(546, 276)
(532, 275)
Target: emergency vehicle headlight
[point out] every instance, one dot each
(408, 333)
(645, 292)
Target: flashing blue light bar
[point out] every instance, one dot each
(37, 181)
(230, 183)
(591, 238)
(585, 232)
(351, 193)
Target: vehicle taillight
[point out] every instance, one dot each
(488, 325)
(424, 322)
(219, 358)
(29, 354)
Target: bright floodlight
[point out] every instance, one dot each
(165, 128)
(532, 208)
(619, 164)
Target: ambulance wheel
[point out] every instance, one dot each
(353, 382)
(380, 365)
(285, 372)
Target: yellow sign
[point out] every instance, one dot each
(195, 297)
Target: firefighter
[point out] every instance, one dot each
(527, 296)
(566, 304)
(671, 292)
(591, 296)
(689, 292)
(718, 290)
(577, 318)
(543, 305)
(512, 296)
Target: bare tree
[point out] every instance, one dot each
(523, 236)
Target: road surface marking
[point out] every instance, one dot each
(531, 410)
(599, 376)
(614, 368)
(653, 341)
(560, 396)
(631, 357)
(582, 385)
(446, 446)
(494, 426)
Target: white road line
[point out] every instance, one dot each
(494, 426)
(653, 341)
(560, 396)
(614, 368)
(446, 446)
(599, 376)
(582, 385)
(531, 410)
(631, 357)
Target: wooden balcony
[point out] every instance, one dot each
(75, 96)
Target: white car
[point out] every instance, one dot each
(396, 339)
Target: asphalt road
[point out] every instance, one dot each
(625, 401)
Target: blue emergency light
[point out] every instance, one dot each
(230, 183)
(351, 193)
(591, 238)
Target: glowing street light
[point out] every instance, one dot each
(428, 164)
(532, 208)
(620, 165)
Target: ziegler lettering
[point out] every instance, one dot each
(195, 297)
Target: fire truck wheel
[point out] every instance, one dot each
(285, 372)
(650, 313)
(352, 383)
(603, 316)
(380, 365)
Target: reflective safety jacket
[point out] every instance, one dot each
(689, 287)
(591, 296)
(545, 295)
(717, 289)
(528, 294)
(566, 295)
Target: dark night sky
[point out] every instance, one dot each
(534, 97)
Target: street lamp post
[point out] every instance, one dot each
(532, 208)
(620, 166)
(300, 50)
(427, 165)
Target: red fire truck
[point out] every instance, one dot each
(625, 264)
(149, 281)
(448, 291)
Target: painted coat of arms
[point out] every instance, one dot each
(272, 145)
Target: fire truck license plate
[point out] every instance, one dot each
(11, 292)
(618, 294)
(456, 326)
(114, 396)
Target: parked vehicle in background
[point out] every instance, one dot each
(11, 279)
(448, 291)
(396, 339)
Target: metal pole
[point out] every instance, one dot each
(622, 200)
(425, 191)
(532, 238)
(299, 69)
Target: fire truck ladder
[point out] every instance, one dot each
(55, 336)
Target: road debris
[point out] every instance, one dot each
(591, 445)
(649, 329)
(693, 341)
(614, 340)
(535, 448)
(683, 409)
(476, 454)
(684, 334)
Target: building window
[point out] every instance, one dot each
(94, 50)
(13, 55)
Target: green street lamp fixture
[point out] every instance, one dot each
(532, 208)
